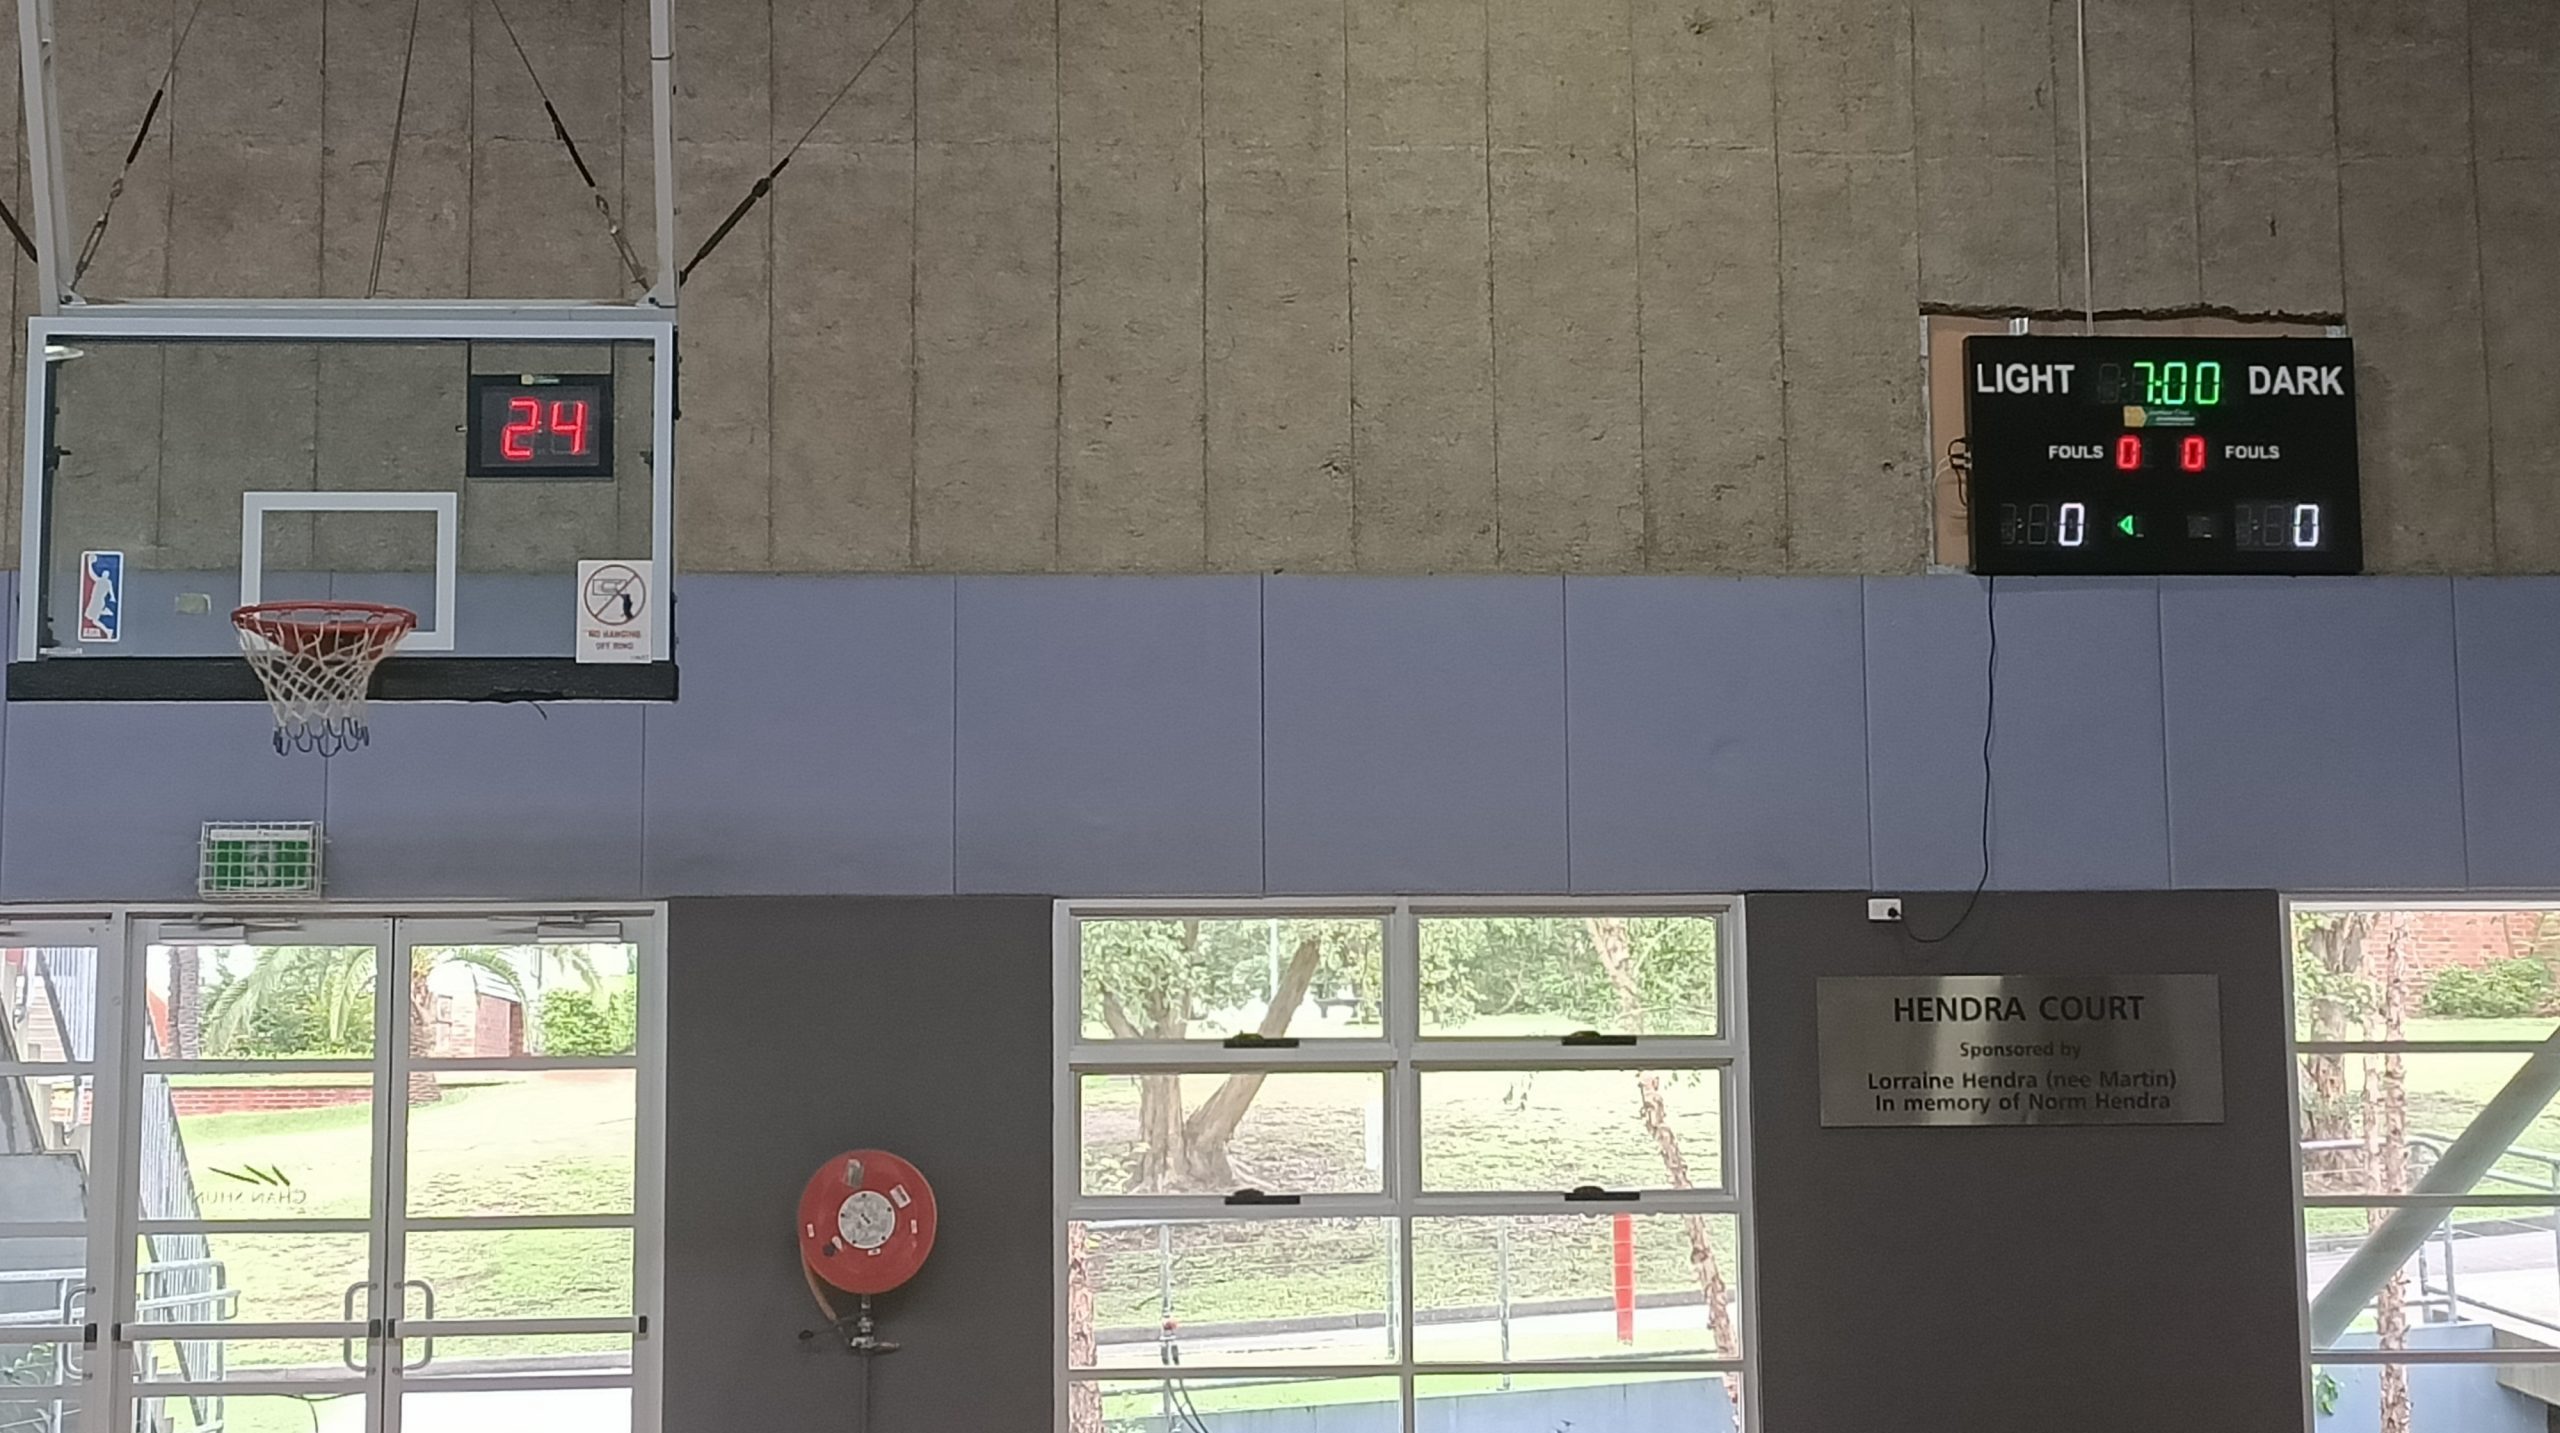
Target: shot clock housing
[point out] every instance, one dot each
(2159, 456)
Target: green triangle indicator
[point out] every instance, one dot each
(2125, 525)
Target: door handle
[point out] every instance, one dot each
(372, 1328)
(427, 1345)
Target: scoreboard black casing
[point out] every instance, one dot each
(2082, 463)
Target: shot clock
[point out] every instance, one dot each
(2142, 456)
(541, 425)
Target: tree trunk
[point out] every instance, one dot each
(1617, 958)
(1084, 1400)
(1191, 1153)
(2338, 944)
(2387, 1144)
(186, 1001)
(423, 1089)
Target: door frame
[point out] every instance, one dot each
(122, 936)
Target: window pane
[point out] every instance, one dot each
(2477, 1267)
(1636, 1402)
(1237, 1405)
(43, 1280)
(557, 1142)
(2466, 974)
(1561, 1129)
(225, 1277)
(46, 1117)
(2437, 1398)
(525, 1356)
(1232, 1292)
(523, 1273)
(39, 1388)
(260, 1002)
(541, 1410)
(1209, 979)
(1218, 1133)
(268, 1413)
(1542, 1286)
(1553, 975)
(48, 1004)
(500, 1002)
(314, 1361)
(2376, 1124)
(256, 1146)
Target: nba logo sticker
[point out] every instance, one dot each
(101, 596)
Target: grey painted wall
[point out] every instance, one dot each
(2105, 1280)
(1327, 735)
(798, 1030)
(1389, 285)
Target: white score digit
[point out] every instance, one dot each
(2074, 528)
(2306, 525)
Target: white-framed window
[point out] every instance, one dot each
(1402, 1164)
(332, 1169)
(2426, 1043)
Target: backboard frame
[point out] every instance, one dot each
(36, 676)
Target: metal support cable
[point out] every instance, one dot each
(18, 231)
(133, 152)
(391, 164)
(560, 131)
(764, 186)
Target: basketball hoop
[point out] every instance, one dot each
(316, 659)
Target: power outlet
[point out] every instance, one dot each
(1885, 909)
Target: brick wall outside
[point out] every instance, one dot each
(244, 1099)
(2437, 940)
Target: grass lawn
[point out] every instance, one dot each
(2446, 1091)
(559, 1143)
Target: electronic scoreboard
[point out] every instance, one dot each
(2144, 456)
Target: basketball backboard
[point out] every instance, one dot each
(461, 463)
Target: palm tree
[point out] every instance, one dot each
(338, 978)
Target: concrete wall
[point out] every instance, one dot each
(1131, 736)
(1393, 285)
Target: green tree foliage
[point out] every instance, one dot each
(1481, 969)
(318, 1000)
(1157, 979)
(297, 1001)
(576, 1022)
(2505, 989)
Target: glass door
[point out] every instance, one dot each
(372, 1175)
(259, 1115)
(515, 1236)
(51, 1158)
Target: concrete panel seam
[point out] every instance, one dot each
(1492, 303)
(2480, 264)
(1644, 477)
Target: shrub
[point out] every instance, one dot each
(577, 1023)
(2500, 990)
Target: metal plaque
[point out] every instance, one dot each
(2021, 1049)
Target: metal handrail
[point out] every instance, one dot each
(2432, 1146)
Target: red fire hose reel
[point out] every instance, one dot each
(866, 1222)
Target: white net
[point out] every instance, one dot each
(316, 660)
